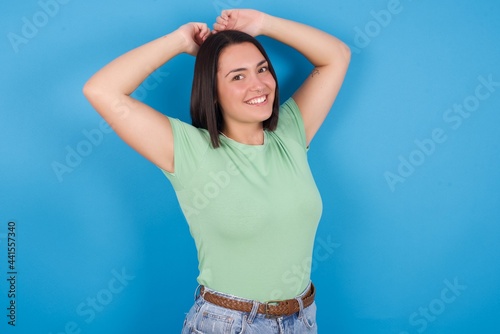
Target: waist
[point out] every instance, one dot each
(281, 274)
(272, 308)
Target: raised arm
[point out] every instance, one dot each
(146, 130)
(329, 56)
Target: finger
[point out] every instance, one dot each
(204, 29)
(198, 40)
(201, 26)
(219, 27)
(221, 20)
(203, 34)
(226, 13)
(206, 34)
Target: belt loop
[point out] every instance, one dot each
(280, 325)
(253, 313)
(196, 294)
(301, 307)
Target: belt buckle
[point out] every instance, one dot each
(270, 303)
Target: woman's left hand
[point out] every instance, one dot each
(247, 20)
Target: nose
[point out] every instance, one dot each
(257, 84)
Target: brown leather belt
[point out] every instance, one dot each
(271, 308)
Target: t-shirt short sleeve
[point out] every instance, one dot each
(291, 124)
(190, 146)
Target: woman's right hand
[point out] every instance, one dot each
(194, 34)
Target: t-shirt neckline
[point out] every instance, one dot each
(242, 145)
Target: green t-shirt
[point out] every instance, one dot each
(253, 210)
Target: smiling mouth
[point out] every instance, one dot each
(257, 100)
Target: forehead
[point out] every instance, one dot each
(239, 55)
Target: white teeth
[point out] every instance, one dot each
(257, 100)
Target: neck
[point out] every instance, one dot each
(250, 135)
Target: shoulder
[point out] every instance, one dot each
(182, 128)
(290, 122)
(190, 146)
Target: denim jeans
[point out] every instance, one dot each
(207, 318)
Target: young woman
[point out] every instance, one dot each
(240, 170)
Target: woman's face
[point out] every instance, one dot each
(246, 88)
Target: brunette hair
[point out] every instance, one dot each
(205, 110)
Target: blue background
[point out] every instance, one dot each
(388, 253)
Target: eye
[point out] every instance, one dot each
(238, 77)
(263, 69)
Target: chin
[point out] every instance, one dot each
(269, 114)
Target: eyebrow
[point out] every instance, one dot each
(244, 69)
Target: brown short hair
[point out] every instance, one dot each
(205, 111)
